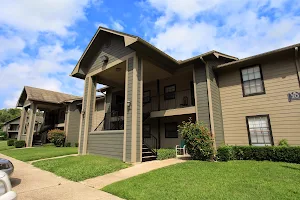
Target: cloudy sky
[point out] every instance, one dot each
(41, 41)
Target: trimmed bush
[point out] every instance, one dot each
(20, 143)
(57, 137)
(271, 153)
(284, 143)
(198, 140)
(163, 154)
(10, 142)
(224, 153)
(76, 144)
(68, 144)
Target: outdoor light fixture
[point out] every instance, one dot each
(128, 104)
(104, 59)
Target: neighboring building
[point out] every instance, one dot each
(11, 127)
(60, 110)
(149, 93)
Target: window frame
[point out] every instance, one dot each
(166, 129)
(166, 99)
(270, 128)
(261, 77)
(149, 96)
(149, 130)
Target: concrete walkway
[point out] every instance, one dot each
(141, 168)
(32, 183)
(30, 162)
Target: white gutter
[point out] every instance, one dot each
(297, 63)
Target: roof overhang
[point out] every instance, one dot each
(256, 58)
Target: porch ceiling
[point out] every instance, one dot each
(115, 76)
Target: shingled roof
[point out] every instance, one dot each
(42, 95)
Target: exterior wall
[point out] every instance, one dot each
(183, 89)
(280, 78)
(201, 98)
(216, 104)
(114, 51)
(99, 114)
(168, 142)
(106, 143)
(73, 123)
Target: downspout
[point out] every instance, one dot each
(297, 64)
(211, 117)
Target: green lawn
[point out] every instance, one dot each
(29, 154)
(208, 180)
(79, 168)
(3, 146)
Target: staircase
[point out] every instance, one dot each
(148, 154)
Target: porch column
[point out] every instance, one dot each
(31, 124)
(132, 146)
(22, 123)
(88, 107)
(201, 97)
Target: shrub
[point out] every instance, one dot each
(225, 153)
(271, 153)
(76, 144)
(20, 143)
(163, 154)
(197, 139)
(283, 142)
(10, 142)
(57, 137)
(3, 135)
(68, 144)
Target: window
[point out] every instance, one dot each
(171, 130)
(146, 130)
(170, 92)
(259, 130)
(147, 97)
(252, 81)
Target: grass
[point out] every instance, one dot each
(29, 154)
(79, 168)
(3, 145)
(220, 180)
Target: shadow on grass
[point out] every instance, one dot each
(290, 167)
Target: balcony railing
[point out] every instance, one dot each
(179, 99)
(111, 121)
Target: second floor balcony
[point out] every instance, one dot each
(170, 100)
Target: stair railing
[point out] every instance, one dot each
(151, 143)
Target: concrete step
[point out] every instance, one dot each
(148, 158)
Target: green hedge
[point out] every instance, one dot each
(271, 153)
(10, 142)
(68, 144)
(20, 144)
(163, 154)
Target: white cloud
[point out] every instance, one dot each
(116, 25)
(11, 45)
(97, 24)
(240, 28)
(54, 16)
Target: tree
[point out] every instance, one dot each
(9, 114)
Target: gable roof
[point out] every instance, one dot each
(42, 95)
(137, 43)
(4, 123)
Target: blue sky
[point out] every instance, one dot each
(41, 41)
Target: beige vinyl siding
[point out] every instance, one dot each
(99, 114)
(106, 143)
(279, 79)
(73, 123)
(201, 97)
(114, 51)
(129, 111)
(216, 105)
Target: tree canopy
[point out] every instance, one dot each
(8, 114)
